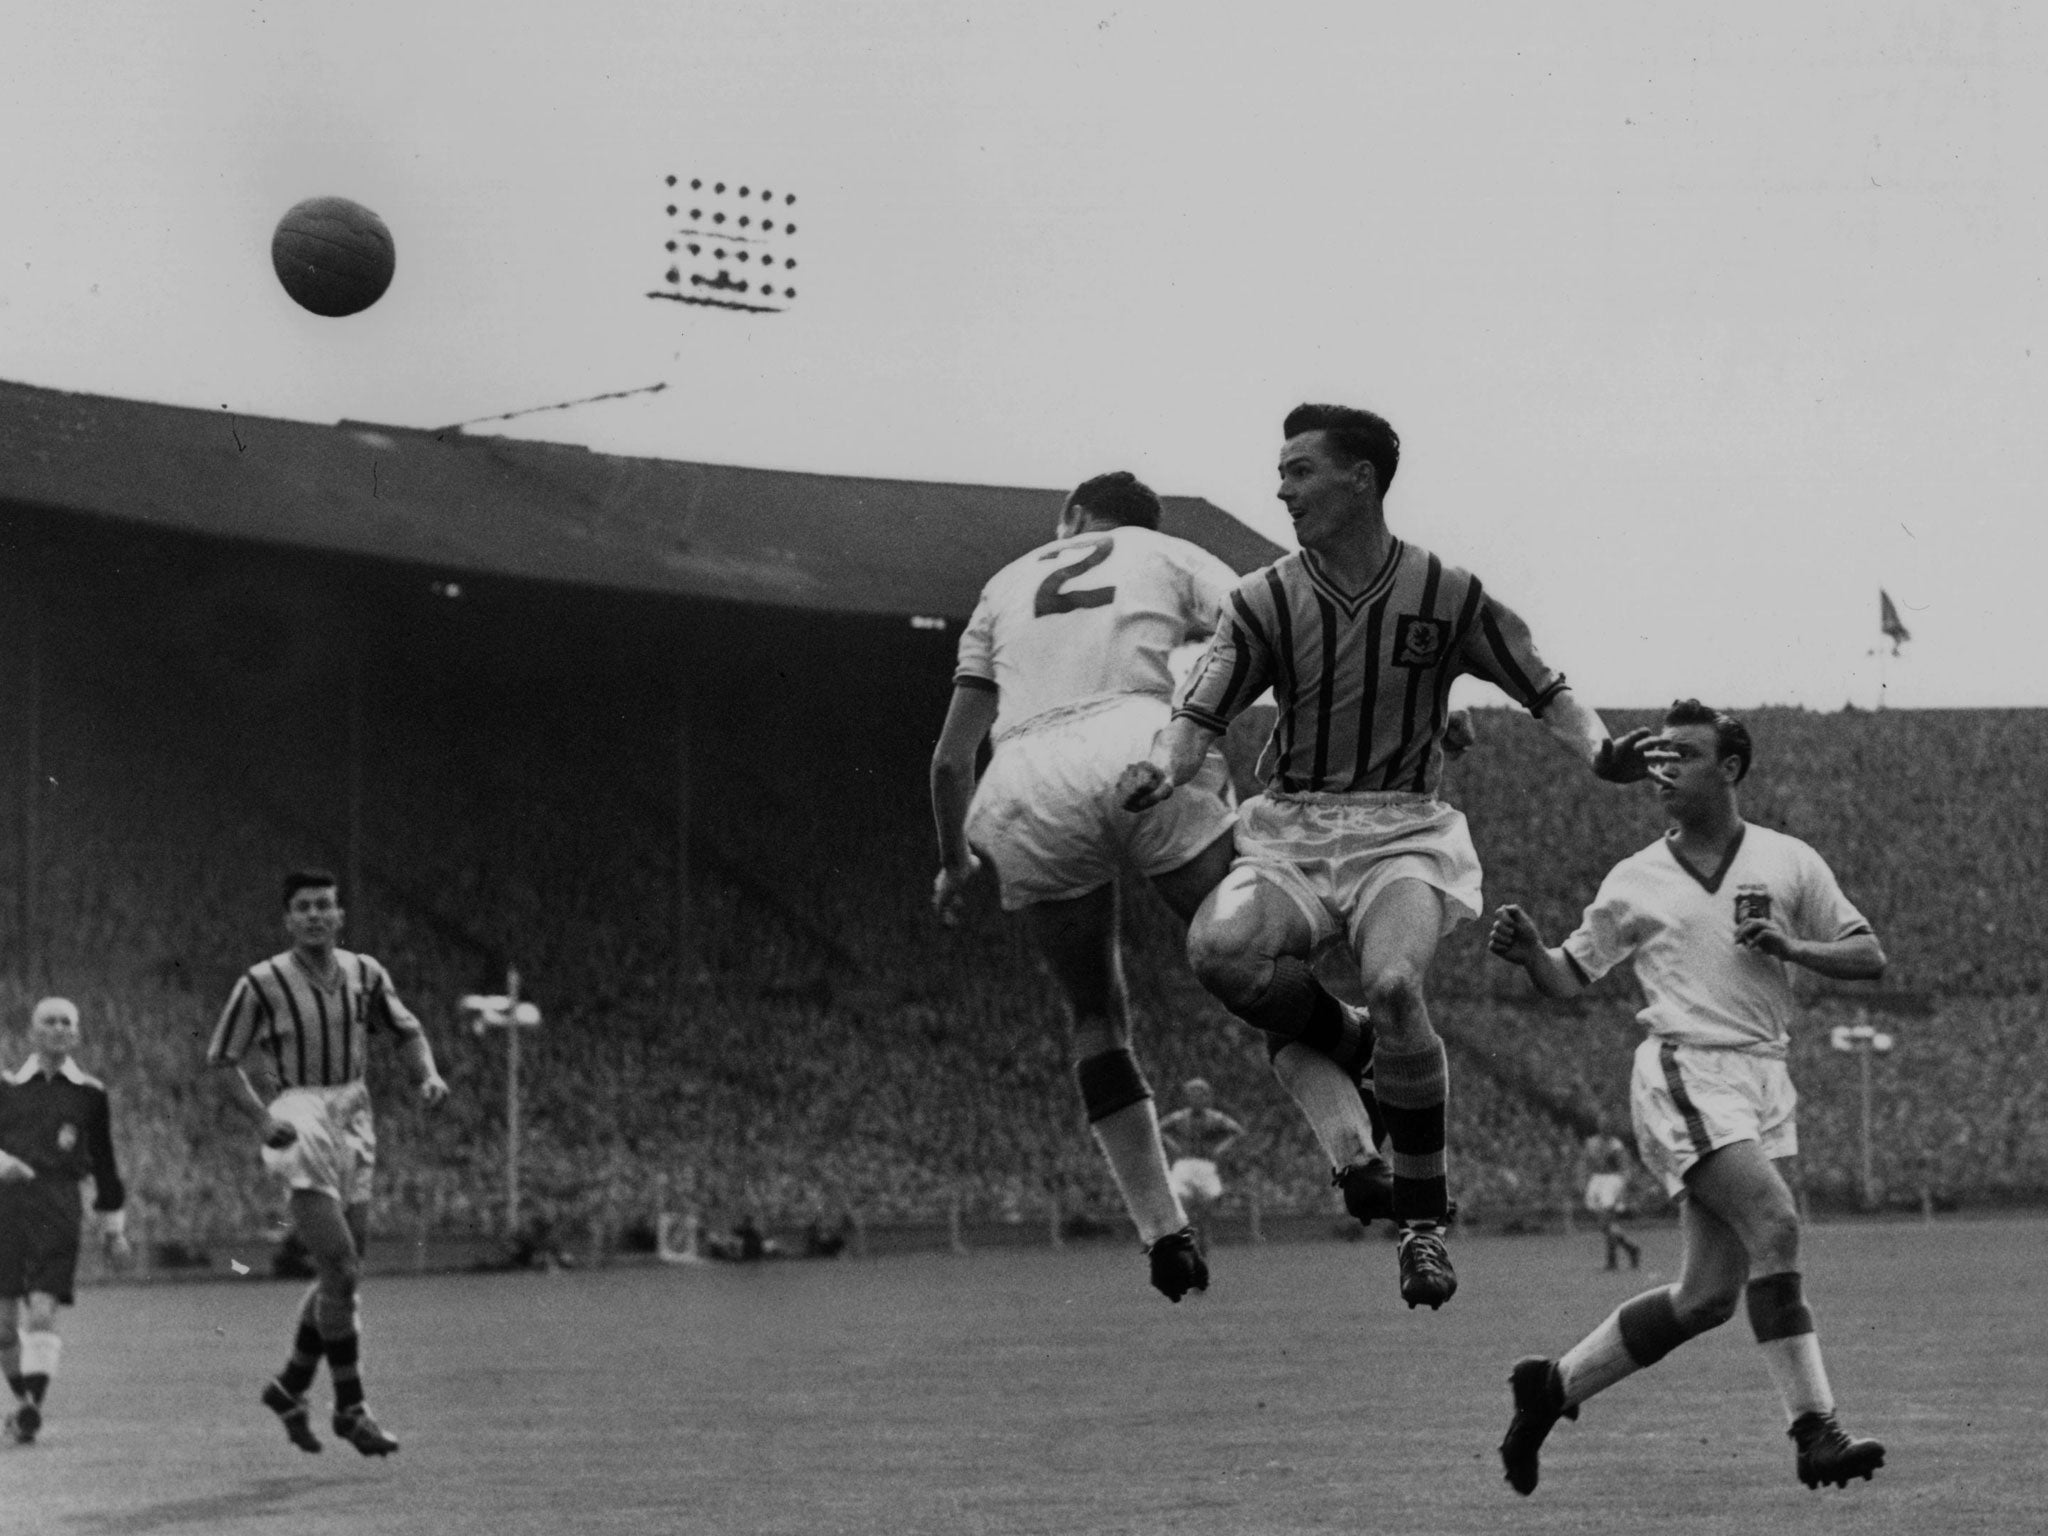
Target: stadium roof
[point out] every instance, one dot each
(546, 511)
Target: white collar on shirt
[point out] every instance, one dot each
(33, 1068)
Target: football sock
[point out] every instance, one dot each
(307, 1348)
(1638, 1333)
(1125, 1124)
(1596, 1362)
(1296, 1006)
(39, 1352)
(1412, 1087)
(342, 1366)
(299, 1370)
(1329, 1099)
(1783, 1325)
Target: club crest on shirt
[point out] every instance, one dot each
(1752, 901)
(1419, 640)
(67, 1137)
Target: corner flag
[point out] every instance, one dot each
(1888, 621)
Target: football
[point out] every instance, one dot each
(333, 256)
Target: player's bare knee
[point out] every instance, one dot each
(1234, 976)
(339, 1279)
(1774, 1242)
(1394, 994)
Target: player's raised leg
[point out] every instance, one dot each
(285, 1394)
(334, 1238)
(1743, 1186)
(1637, 1334)
(1249, 945)
(1078, 939)
(1395, 937)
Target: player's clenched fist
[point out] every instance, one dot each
(1142, 786)
(1515, 936)
(949, 889)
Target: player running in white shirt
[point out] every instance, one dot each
(1065, 660)
(1713, 915)
(1198, 1133)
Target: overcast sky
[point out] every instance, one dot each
(1698, 330)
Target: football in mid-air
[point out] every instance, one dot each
(334, 257)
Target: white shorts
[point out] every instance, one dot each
(1688, 1100)
(1334, 854)
(336, 1150)
(1605, 1192)
(1195, 1177)
(1046, 813)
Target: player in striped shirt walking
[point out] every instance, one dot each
(1712, 916)
(1359, 635)
(295, 1036)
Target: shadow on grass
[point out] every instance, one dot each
(265, 1496)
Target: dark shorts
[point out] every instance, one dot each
(38, 1239)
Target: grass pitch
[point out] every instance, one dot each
(1050, 1391)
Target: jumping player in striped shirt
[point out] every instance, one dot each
(295, 1037)
(1360, 636)
(1713, 915)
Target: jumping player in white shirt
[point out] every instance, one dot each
(1713, 915)
(1065, 660)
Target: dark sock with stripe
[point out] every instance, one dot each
(1651, 1327)
(1296, 1006)
(304, 1364)
(1412, 1088)
(342, 1366)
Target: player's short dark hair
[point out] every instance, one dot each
(1118, 497)
(309, 880)
(1731, 736)
(1353, 434)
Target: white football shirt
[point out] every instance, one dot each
(1677, 925)
(1094, 616)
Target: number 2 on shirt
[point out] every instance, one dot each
(1053, 596)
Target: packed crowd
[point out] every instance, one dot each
(827, 1048)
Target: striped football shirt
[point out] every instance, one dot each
(1362, 679)
(315, 1035)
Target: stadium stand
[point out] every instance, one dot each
(499, 774)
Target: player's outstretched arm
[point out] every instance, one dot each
(419, 1056)
(1176, 756)
(1578, 728)
(968, 719)
(1517, 940)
